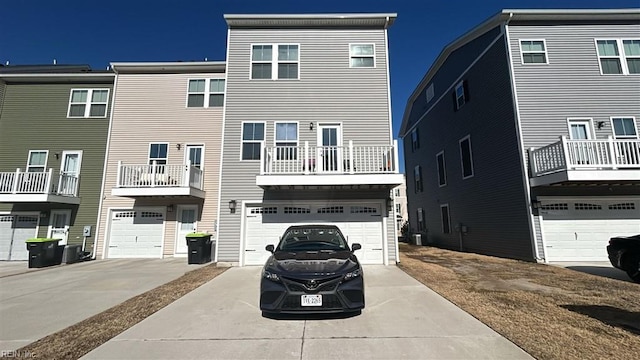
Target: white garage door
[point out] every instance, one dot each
(136, 234)
(579, 230)
(360, 223)
(14, 230)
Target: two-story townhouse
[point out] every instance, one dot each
(307, 133)
(162, 162)
(521, 140)
(53, 132)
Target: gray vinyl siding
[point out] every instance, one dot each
(2, 89)
(571, 84)
(328, 91)
(34, 117)
(491, 203)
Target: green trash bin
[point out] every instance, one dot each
(43, 252)
(199, 245)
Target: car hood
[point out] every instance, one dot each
(313, 262)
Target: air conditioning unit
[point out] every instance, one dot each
(417, 239)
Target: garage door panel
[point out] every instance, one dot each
(14, 231)
(136, 234)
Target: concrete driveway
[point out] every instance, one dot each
(599, 268)
(220, 320)
(38, 302)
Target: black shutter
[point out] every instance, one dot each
(465, 85)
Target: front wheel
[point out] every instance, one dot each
(633, 269)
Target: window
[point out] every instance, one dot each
(88, 103)
(397, 192)
(430, 93)
(205, 93)
(282, 64)
(415, 140)
(399, 209)
(442, 175)
(37, 161)
(624, 128)
(619, 56)
(446, 221)
(417, 174)
(460, 95)
(421, 226)
(158, 153)
(362, 55)
(466, 157)
(579, 129)
(286, 141)
(252, 138)
(533, 51)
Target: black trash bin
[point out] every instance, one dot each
(43, 252)
(199, 245)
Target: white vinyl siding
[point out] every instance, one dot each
(362, 55)
(88, 103)
(534, 52)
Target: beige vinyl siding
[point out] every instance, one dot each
(152, 108)
(328, 91)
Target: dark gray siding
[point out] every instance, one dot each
(34, 117)
(492, 203)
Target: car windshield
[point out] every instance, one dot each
(312, 239)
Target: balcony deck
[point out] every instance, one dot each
(585, 160)
(159, 180)
(38, 187)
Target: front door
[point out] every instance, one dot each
(69, 172)
(59, 225)
(330, 150)
(187, 219)
(580, 129)
(194, 154)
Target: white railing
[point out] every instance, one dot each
(21, 182)
(350, 159)
(568, 154)
(159, 175)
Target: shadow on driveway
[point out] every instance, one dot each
(627, 320)
(320, 316)
(605, 271)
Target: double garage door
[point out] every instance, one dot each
(579, 230)
(14, 230)
(359, 222)
(136, 233)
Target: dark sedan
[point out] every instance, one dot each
(624, 254)
(312, 270)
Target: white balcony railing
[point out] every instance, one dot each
(20, 182)
(350, 159)
(159, 175)
(610, 154)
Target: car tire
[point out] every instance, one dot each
(633, 268)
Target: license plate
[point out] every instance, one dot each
(311, 300)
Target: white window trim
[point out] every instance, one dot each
(448, 218)
(418, 169)
(275, 127)
(149, 152)
(444, 169)
(470, 157)
(375, 64)
(46, 159)
(88, 103)
(186, 153)
(67, 152)
(420, 220)
(274, 61)
(522, 52)
(206, 93)
(588, 121)
(415, 145)
(635, 123)
(253, 141)
(455, 90)
(622, 57)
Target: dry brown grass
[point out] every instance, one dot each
(79, 339)
(550, 312)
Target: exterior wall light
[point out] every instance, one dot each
(232, 206)
(311, 126)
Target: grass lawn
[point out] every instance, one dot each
(550, 312)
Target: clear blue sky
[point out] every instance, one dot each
(99, 32)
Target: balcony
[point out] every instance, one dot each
(159, 180)
(374, 166)
(585, 160)
(38, 187)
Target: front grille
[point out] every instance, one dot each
(269, 297)
(292, 302)
(354, 296)
(312, 286)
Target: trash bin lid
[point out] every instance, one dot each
(41, 240)
(197, 235)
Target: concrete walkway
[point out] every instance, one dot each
(39, 302)
(220, 320)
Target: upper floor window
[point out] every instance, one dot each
(624, 128)
(397, 192)
(415, 140)
(445, 218)
(417, 175)
(205, 93)
(252, 139)
(37, 161)
(281, 64)
(421, 227)
(430, 93)
(466, 157)
(533, 51)
(399, 209)
(619, 56)
(442, 174)
(286, 141)
(362, 55)
(158, 153)
(460, 95)
(87, 103)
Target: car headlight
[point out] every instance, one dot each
(270, 276)
(353, 274)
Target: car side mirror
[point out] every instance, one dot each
(270, 248)
(355, 247)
